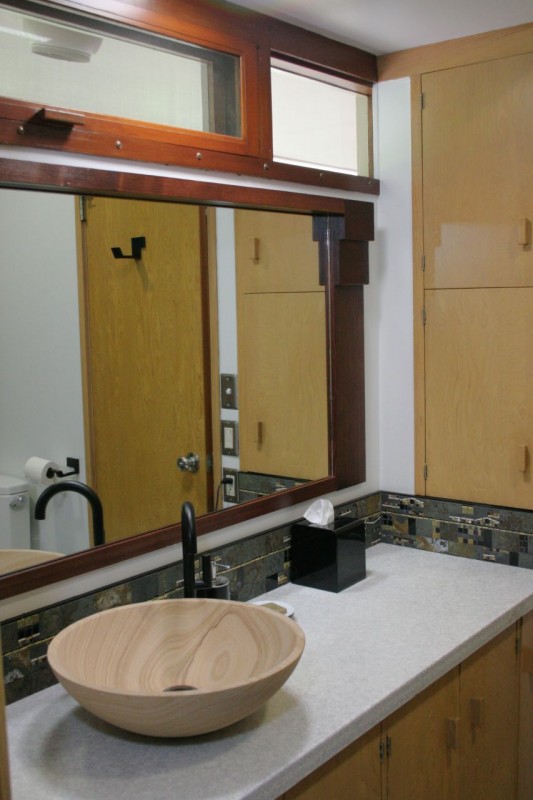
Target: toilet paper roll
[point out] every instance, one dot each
(38, 470)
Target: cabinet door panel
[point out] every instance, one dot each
(479, 414)
(283, 384)
(275, 252)
(478, 173)
(525, 751)
(489, 734)
(422, 759)
(354, 773)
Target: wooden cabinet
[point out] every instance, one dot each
(479, 384)
(478, 173)
(281, 332)
(477, 209)
(525, 728)
(488, 744)
(421, 745)
(353, 773)
(275, 252)
(456, 740)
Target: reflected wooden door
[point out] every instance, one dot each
(145, 342)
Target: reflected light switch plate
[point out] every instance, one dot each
(230, 445)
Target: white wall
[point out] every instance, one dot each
(41, 396)
(393, 276)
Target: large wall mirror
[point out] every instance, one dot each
(109, 356)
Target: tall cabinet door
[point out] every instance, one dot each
(479, 384)
(478, 174)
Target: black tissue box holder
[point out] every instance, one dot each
(330, 557)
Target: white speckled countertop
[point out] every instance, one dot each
(369, 649)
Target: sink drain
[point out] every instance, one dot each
(179, 687)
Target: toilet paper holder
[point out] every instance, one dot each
(73, 463)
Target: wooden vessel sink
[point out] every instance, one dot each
(176, 667)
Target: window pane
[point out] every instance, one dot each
(319, 124)
(154, 79)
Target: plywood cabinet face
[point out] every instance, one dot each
(456, 740)
(283, 386)
(275, 253)
(479, 384)
(282, 355)
(353, 773)
(477, 129)
(422, 756)
(488, 713)
(525, 728)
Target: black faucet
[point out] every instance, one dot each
(80, 488)
(217, 589)
(188, 543)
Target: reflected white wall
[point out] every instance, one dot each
(41, 395)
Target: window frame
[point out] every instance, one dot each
(259, 39)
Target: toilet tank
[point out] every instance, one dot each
(14, 513)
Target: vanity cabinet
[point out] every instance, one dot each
(477, 212)
(525, 738)
(282, 356)
(354, 773)
(456, 740)
(420, 745)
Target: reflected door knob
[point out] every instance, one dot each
(189, 463)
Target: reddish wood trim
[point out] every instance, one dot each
(20, 126)
(89, 560)
(80, 180)
(324, 53)
(347, 354)
(212, 24)
(353, 263)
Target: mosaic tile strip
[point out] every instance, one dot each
(475, 531)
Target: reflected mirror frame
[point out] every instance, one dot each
(343, 229)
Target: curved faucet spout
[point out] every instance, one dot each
(188, 543)
(79, 488)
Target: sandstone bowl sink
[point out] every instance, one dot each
(176, 667)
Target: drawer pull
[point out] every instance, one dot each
(522, 458)
(256, 248)
(477, 711)
(524, 232)
(452, 733)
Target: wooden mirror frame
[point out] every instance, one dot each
(343, 229)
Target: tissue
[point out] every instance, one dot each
(321, 512)
(39, 470)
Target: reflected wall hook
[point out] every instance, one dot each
(137, 245)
